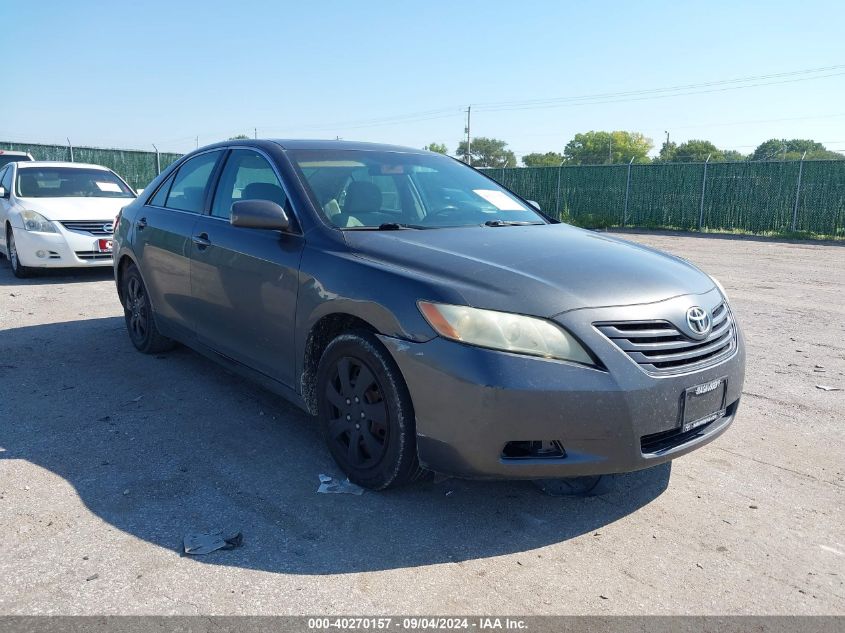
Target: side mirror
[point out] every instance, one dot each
(3, 193)
(259, 214)
(535, 204)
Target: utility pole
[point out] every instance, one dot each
(469, 138)
(255, 130)
(667, 138)
(610, 150)
(158, 160)
(70, 146)
(198, 142)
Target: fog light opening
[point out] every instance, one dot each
(534, 449)
(41, 254)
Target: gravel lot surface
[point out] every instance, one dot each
(109, 457)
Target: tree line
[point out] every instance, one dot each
(604, 148)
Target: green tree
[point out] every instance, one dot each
(549, 159)
(792, 149)
(667, 152)
(239, 137)
(733, 155)
(697, 151)
(488, 152)
(440, 148)
(594, 148)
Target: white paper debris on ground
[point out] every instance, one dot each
(330, 485)
(205, 543)
(828, 388)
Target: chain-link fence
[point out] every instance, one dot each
(778, 197)
(138, 168)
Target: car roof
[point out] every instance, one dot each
(349, 145)
(57, 163)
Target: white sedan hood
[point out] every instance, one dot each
(62, 209)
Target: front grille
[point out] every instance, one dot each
(94, 227)
(92, 255)
(659, 347)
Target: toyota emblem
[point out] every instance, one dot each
(699, 321)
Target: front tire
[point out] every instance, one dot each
(18, 270)
(139, 316)
(366, 413)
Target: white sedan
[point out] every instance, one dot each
(58, 215)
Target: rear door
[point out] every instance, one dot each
(244, 281)
(163, 229)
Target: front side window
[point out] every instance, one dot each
(70, 182)
(246, 176)
(190, 183)
(370, 188)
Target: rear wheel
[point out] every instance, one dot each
(20, 271)
(139, 317)
(366, 413)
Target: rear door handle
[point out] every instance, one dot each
(141, 224)
(201, 241)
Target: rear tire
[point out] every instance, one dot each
(139, 316)
(366, 413)
(18, 270)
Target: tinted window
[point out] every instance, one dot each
(190, 183)
(70, 182)
(6, 179)
(159, 199)
(246, 176)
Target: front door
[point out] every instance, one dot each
(163, 229)
(244, 281)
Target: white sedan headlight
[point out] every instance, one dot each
(504, 331)
(33, 221)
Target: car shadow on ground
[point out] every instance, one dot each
(160, 446)
(48, 276)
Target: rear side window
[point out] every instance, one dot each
(160, 198)
(246, 176)
(6, 179)
(190, 183)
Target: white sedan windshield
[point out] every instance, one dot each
(70, 182)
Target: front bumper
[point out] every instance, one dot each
(63, 249)
(470, 402)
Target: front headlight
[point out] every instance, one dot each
(33, 221)
(719, 286)
(504, 331)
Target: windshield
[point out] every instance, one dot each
(369, 189)
(5, 159)
(70, 182)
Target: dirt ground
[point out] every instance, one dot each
(109, 457)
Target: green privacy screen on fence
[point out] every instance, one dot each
(136, 167)
(755, 197)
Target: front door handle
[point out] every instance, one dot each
(201, 241)
(141, 224)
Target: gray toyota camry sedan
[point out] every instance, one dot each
(431, 319)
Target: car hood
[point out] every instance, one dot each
(62, 209)
(541, 270)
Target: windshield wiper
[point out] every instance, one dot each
(509, 223)
(386, 226)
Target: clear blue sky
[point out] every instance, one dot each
(131, 74)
